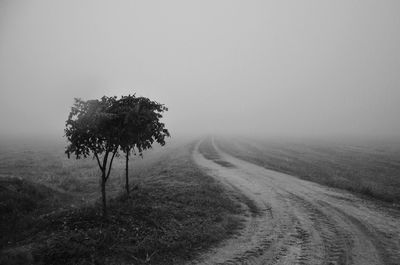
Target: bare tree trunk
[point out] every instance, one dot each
(103, 193)
(126, 173)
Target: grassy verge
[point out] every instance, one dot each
(21, 204)
(372, 170)
(176, 212)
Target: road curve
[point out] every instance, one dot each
(301, 222)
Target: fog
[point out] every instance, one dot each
(273, 68)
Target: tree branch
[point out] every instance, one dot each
(105, 163)
(111, 161)
(98, 161)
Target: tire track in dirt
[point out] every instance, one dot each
(337, 242)
(300, 222)
(379, 239)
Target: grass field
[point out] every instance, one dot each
(364, 167)
(50, 214)
(175, 211)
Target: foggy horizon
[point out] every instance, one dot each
(257, 68)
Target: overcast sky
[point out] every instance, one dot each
(251, 67)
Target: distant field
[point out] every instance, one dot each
(368, 168)
(46, 163)
(175, 211)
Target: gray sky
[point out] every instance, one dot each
(254, 67)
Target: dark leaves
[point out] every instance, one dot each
(103, 125)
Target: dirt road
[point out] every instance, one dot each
(301, 222)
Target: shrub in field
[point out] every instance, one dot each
(103, 126)
(91, 128)
(139, 126)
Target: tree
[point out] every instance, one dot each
(139, 127)
(91, 127)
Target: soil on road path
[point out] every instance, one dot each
(301, 222)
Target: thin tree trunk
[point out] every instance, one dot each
(126, 173)
(103, 193)
(103, 184)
